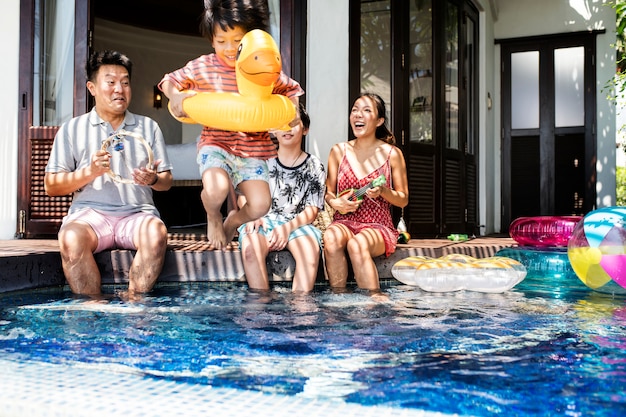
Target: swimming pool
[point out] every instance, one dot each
(190, 349)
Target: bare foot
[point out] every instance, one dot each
(379, 296)
(130, 296)
(230, 227)
(215, 233)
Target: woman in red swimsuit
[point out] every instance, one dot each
(363, 227)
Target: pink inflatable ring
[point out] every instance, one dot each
(543, 230)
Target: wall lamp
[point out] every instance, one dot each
(157, 98)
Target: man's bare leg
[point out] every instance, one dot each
(77, 241)
(151, 242)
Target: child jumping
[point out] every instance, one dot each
(228, 159)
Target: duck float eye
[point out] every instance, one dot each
(238, 52)
(255, 108)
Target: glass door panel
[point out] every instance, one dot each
(53, 81)
(471, 109)
(376, 50)
(421, 72)
(569, 173)
(525, 90)
(452, 76)
(525, 176)
(274, 6)
(569, 82)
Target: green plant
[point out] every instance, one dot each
(616, 87)
(620, 186)
(619, 84)
(620, 45)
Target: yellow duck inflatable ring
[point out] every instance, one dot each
(254, 108)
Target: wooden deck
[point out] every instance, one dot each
(31, 263)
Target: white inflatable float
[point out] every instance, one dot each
(457, 272)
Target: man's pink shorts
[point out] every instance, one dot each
(113, 232)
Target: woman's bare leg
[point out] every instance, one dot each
(336, 263)
(362, 249)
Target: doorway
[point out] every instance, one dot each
(548, 119)
(421, 57)
(56, 39)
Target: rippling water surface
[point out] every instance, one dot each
(548, 347)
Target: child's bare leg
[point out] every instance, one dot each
(258, 202)
(253, 253)
(215, 188)
(306, 252)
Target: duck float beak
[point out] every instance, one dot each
(262, 67)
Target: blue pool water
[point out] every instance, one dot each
(548, 347)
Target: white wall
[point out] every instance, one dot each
(327, 75)
(489, 178)
(539, 17)
(9, 50)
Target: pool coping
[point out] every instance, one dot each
(36, 263)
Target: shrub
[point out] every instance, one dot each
(620, 179)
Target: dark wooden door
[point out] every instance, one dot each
(435, 113)
(548, 118)
(38, 214)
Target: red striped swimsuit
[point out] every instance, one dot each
(372, 213)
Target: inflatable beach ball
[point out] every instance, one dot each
(597, 250)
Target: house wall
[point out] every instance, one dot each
(620, 153)
(327, 75)
(520, 19)
(9, 50)
(489, 178)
